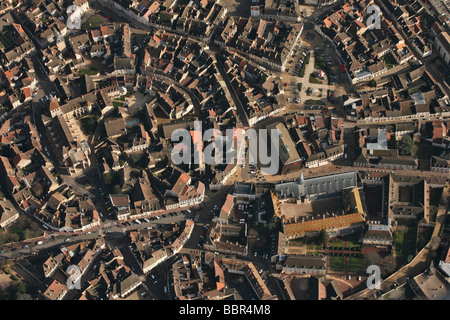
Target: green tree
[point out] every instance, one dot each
(118, 189)
(406, 145)
(323, 237)
(16, 290)
(107, 179)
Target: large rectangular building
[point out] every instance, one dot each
(289, 158)
(309, 189)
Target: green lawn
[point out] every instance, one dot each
(352, 241)
(336, 244)
(301, 72)
(94, 22)
(88, 71)
(399, 238)
(336, 263)
(319, 62)
(389, 61)
(354, 264)
(117, 104)
(311, 102)
(306, 60)
(405, 244)
(313, 79)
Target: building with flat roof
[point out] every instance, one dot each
(430, 285)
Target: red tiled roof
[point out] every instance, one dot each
(181, 186)
(228, 203)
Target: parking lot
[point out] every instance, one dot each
(296, 68)
(303, 90)
(239, 8)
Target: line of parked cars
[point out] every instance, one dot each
(153, 218)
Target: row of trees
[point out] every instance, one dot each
(21, 230)
(16, 290)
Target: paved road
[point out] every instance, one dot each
(204, 217)
(111, 229)
(240, 107)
